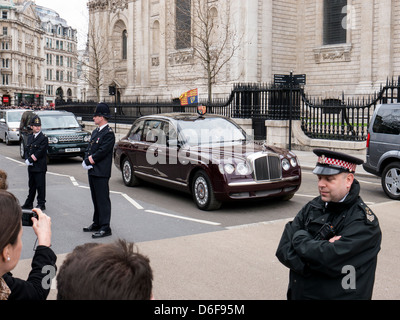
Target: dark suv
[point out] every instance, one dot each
(66, 136)
(383, 148)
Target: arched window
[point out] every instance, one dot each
(124, 45)
(335, 27)
(183, 24)
(214, 26)
(155, 47)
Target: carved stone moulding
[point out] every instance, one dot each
(333, 53)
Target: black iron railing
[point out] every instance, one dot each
(334, 119)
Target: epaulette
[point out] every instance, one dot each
(370, 217)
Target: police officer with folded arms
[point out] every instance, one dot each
(98, 162)
(36, 160)
(331, 246)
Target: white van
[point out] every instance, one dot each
(9, 125)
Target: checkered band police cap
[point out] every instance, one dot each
(332, 163)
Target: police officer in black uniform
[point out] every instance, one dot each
(331, 246)
(36, 159)
(98, 162)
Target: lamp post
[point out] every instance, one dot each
(112, 90)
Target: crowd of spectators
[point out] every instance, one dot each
(30, 107)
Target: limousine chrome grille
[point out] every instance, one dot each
(266, 167)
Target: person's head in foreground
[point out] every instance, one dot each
(114, 271)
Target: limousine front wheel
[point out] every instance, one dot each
(203, 193)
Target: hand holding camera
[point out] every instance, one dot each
(41, 224)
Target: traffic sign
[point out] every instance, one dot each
(286, 80)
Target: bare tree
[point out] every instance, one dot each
(214, 40)
(94, 70)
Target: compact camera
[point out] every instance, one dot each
(27, 217)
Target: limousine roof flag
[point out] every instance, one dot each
(189, 97)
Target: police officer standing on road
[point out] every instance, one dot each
(98, 162)
(331, 246)
(36, 159)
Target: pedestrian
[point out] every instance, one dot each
(36, 160)
(98, 162)
(37, 286)
(112, 271)
(331, 246)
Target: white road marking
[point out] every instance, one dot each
(183, 218)
(19, 162)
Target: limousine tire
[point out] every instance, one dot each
(203, 193)
(128, 175)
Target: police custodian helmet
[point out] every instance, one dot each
(36, 121)
(331, 163)
(102, 110)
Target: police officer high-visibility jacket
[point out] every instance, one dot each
(344, 269)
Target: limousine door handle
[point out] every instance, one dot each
(156, 151)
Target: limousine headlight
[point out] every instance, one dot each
(243, 169)
(229, 168)
(285, 164)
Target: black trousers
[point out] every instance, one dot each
(37, 182)
(100, 191)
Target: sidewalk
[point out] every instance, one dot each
(240, 263)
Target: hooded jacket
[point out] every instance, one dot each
(344, 269)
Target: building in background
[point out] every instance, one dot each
(61, 56)
(21, 54)
(345, 46)
(38, 55)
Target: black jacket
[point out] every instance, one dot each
(38, 147)
(101, 147)
(319, 269)
(37, 287)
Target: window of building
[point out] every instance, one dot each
(183, 24)
(156, 38)
(5, 31)
(5, 79)
(124, 45)
(4, 14)
(335, 24)
(6, 63)
(49, 74)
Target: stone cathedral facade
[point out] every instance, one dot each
(349, 46)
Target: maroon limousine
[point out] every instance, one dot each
(209, 156)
